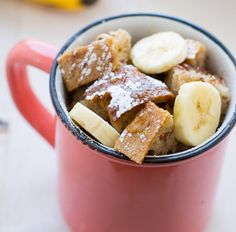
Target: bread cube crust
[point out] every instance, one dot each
(139, 136)
(88, 63)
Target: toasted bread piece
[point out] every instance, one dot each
(151, 125)
(127, 88)
(196, 53)
(88, 63)
(122, 44)
(184, 73)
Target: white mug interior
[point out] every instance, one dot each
(139, 26)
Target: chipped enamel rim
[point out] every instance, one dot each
(85, 139)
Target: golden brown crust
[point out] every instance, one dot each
(138, 137)
(88, 63)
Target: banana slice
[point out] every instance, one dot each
(159, 52)
(94, 124)
(197, 112)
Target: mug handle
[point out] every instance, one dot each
(41, 56)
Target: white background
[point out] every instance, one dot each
(28, 167)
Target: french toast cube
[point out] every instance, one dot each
(87, 63)
(150, 125)
(196, 53)
(184, 73)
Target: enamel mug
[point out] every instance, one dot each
(100, 190)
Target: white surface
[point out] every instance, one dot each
(28, 169)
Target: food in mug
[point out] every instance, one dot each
(159, 52)
(88, 63)
(156, 98)
(151, 127)
(94, 124)
(197, 112)
(122, 45)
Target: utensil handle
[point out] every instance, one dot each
(40, 55)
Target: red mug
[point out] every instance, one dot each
(100, 190)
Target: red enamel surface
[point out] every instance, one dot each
(100, 194)
(39, 55)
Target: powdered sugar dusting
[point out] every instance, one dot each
(104, 61)
(122, 99)
(128, 88)
(99, 68)
(89, 58)
(142, 137)
(98, 52)
(93, 58)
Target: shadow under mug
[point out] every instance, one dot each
(100, 190)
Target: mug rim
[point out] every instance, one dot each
(94, 145)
